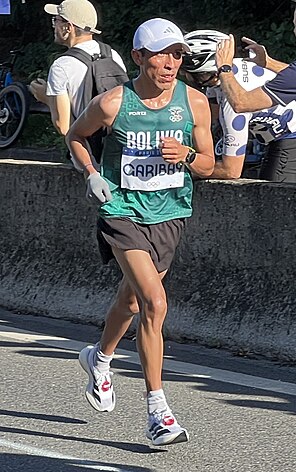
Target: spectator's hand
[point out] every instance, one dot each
(97, 190)
(172, 150)
(259, 55)
(38, 88)
(225, 52)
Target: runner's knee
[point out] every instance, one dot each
(154, 310)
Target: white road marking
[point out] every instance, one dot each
(184, 368)
(74, 461)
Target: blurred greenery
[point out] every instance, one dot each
(39, 133)
(268, 21)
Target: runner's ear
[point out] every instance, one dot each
(137, 57)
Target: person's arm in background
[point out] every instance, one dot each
(229, 168)
(240, 99)
(60, 110)
(235, 138)
(59, 106)
(54, 95)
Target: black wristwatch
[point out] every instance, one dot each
(224, 68)
(190, 156)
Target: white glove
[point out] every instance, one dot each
(97, 190)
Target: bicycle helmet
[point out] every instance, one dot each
(203, 45)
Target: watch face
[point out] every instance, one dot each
(225, 68)
(190, 157)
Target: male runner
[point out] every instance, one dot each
(144, 195)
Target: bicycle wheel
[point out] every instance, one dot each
(14, 109)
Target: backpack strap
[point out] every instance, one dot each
(105, 50)
(85, 57)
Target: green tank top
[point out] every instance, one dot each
(144, 187)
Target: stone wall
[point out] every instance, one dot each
(232, 282)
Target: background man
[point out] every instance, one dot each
(74, 23)
(144, 197)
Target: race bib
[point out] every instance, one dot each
(147, 171)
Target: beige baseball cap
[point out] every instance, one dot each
(81, 13)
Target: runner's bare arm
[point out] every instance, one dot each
(173, 151)
(204, 162)
(100, 112)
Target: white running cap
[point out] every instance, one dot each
(157, 34)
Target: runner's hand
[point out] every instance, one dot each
(260, 57)
(172, 150)
(97, 190)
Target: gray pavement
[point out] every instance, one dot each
(239, 411)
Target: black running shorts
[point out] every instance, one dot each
(159, 240)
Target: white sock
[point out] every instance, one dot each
(156, 401)
(102, 361)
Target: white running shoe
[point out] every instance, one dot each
(99, 391)
(163, 429)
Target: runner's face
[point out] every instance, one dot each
(162, 67)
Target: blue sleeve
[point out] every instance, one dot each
(282, 89)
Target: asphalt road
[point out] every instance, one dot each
(240, 412)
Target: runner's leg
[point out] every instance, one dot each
(143, 277)
(119, 317)
(162, 426)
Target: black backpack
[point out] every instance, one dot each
(103, 74)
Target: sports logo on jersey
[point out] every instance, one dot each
(229, 138)
(176, 114)
(137, 113)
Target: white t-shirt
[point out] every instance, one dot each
(236, 125)
(67, 73)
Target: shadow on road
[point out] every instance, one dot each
(124, 446)
(33, 463)
(38, 416)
